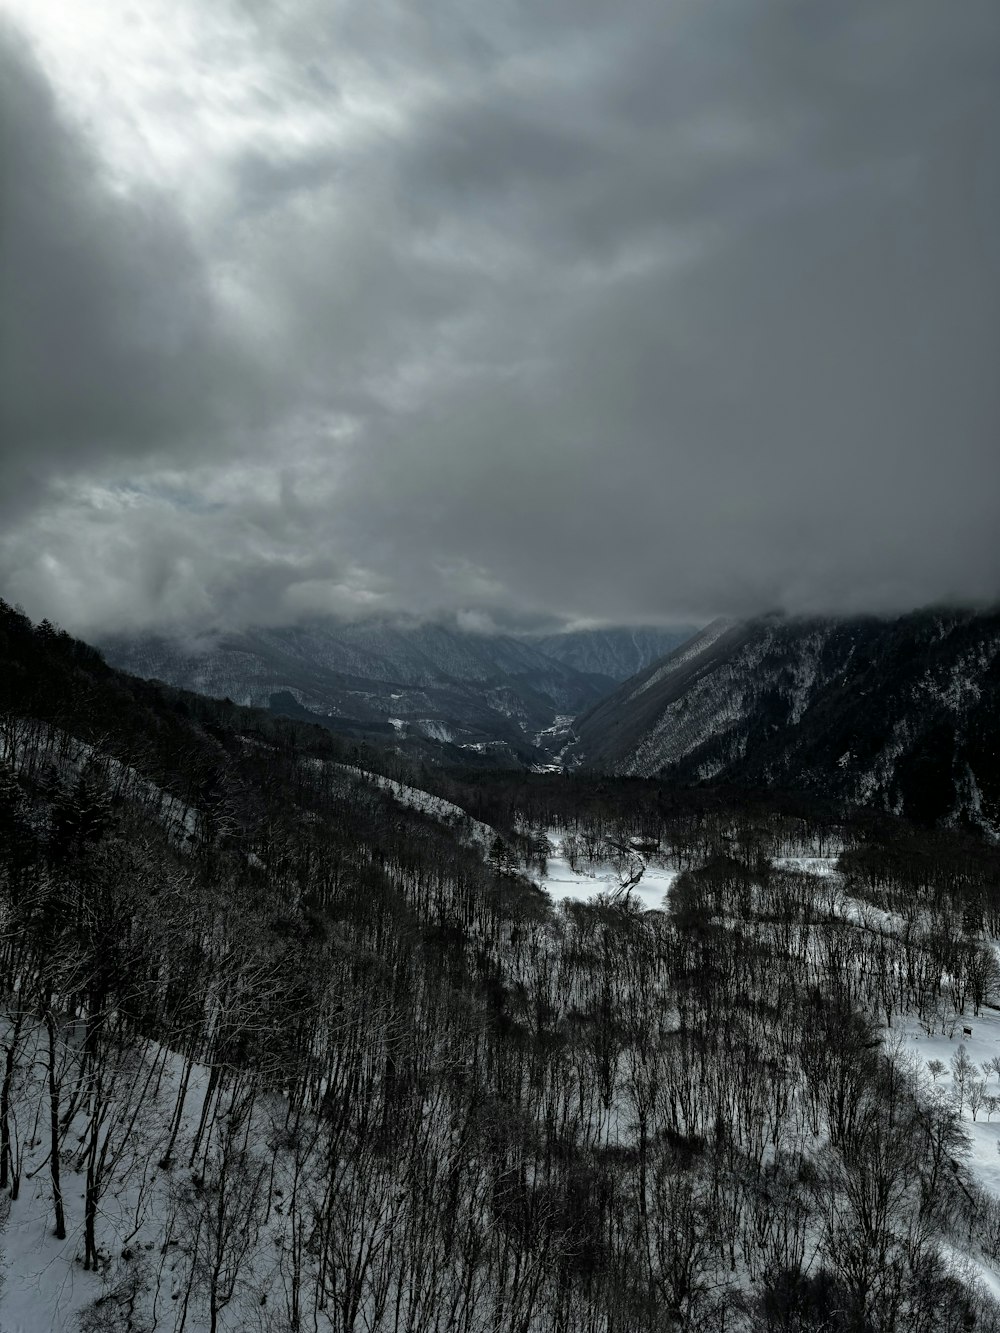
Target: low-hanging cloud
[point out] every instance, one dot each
(620, 313)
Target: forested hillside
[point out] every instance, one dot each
(291, 1044)
(897, 712)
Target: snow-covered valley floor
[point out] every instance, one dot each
(590, 878)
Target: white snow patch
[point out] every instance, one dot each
(435, 730)
(602, 877)
(981, 1047)
(808, 865)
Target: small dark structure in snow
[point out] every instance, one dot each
(646, 845)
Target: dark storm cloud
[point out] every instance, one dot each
(752, 336)
(622, 312)
(110, 342)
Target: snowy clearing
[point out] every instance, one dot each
(592, 878)
(982, 1047)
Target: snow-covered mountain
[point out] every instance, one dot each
(417, 681)
(901, 713)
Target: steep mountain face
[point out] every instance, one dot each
(615, 653)
(417, 682)
(901, 713)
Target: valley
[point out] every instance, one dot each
(433, 691)
(499, 667)
(299, 1033)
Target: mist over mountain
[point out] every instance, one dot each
(615, 653)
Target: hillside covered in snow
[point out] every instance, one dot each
(296, 1036)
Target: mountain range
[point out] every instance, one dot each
(432, 689)
(895, 712)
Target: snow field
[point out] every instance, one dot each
(978, 1034)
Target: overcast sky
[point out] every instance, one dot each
(621, 311)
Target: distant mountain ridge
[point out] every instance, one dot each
(420, 682)
(900, 712)
(614, 653)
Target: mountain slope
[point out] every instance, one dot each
(617, 653)
(414, 680)
(901, 712)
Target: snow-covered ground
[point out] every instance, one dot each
(73, 759)
(43, 1284)
(978, 1034)
(592, 878)
(982, 1047)
(555, 740)
(984, 1131)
